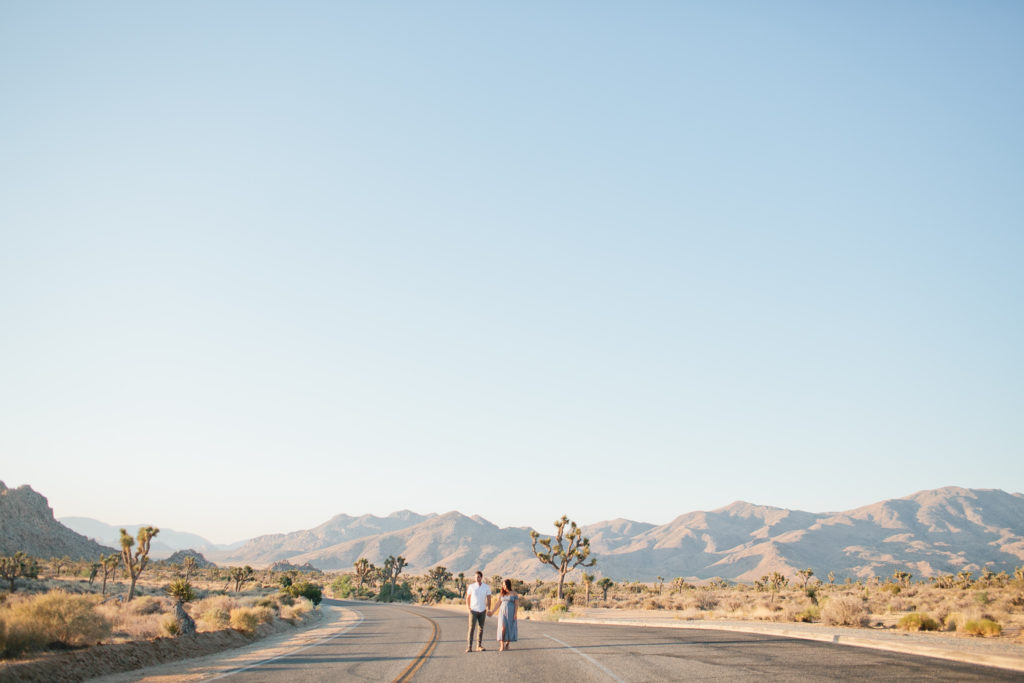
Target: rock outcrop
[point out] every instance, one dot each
(27, 525)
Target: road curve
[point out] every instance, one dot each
(403, 643)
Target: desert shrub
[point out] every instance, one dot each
(54, 617)
(264, 614)
(981, 597)
(982, 627)
(214, 619)
(706, 601)
(916, 621)
(245, 620)
(269, 603)
(341, 587)
(734, 604)
(295, 610)
(844, 610)
(557, 610)
(954, 621)
(809, 615)
(18, 637)
(145, 605)
(388, 593)
(654, 603)
(170, 625)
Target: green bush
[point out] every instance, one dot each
(341, 587)
(399, 593)
(311, 591)
(982, 627)
(916, 621)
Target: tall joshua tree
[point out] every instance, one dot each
(135, 563)
(363, 571)
(566, 551)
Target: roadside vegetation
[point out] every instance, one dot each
(59, 604)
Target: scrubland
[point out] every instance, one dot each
(61, 610)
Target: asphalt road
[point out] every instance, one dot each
(401, 642)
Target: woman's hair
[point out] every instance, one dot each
(506, 586)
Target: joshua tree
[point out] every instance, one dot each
(438, 576)
(363, 571)
(181, 591)
(189, 565)
(773, 583)
(460, 584)
(902, 577)
(661, 583)
(831, 578)
(564, 558)
(588, 580)
(806, 575)
(135, 563)
(604, 584)
(240, 575)
(18, 564)
(108, 564)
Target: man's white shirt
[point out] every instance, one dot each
(478, 593)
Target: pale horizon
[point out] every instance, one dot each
(265, 264)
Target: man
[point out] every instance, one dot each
(478, 600)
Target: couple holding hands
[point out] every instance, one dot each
(478, 600)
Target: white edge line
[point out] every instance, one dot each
(232, 672)
(587, 657)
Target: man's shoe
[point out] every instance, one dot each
(482, 648)
(469, 649)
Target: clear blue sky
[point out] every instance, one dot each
(263, 263)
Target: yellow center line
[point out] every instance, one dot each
(424, 654)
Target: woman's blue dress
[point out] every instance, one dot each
(508, 627)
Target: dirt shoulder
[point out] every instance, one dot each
(104, 660)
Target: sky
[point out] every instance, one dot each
(266, 263)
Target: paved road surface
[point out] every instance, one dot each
(394, 642)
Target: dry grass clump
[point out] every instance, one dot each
(295, 610)
(245, 620)
(33, 622)
(982, 627)
(213, 613)
(844, 610)
(917, 621)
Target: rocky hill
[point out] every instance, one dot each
(27, 525)
(931, 532)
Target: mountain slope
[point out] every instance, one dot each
(27, 525)
(167, 542)
(265, 550)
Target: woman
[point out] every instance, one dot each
(508, 624)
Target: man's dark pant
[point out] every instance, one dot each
(476, 619)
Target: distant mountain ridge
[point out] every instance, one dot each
(165, 544)
(930, 532)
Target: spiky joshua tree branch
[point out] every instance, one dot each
(566, 551)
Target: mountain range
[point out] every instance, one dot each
(930, 532)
